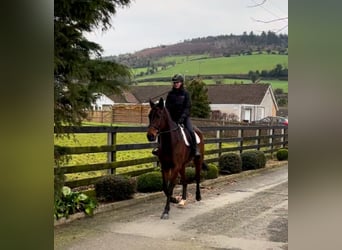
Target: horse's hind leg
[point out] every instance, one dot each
(198, 166)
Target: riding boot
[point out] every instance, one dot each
(194, 148)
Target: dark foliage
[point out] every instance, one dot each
(200, 105)
(282, 154)
(230, 163)
(77, 77)
(253, 160)
(212, 172)
(150, 182)
(115, 188)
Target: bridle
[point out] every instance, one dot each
(157, 128)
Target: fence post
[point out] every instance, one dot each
(271, 140)
(219, 145)
(257, 141)
(240, 135)
(111, 155)
(283, 137)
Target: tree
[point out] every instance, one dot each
(200, 107)
(254, 76)
(78, 77)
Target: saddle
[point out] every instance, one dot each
(185, 137)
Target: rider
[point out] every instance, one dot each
(178, 103)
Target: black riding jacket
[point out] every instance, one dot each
(178, 104)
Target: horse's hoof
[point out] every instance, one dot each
(164, 216)
(198, 198)
(181, 203)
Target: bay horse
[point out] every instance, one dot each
(173, 154)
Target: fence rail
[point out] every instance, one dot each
(262, 137)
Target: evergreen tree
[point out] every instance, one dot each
(200, 107)
(77, 77)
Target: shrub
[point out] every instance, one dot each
(150, 182)
(282, 154)
(253, 160)
(261, 158)
(115, 188)
(70, 202)
(190, 173)
(212, 172)
(249, 160)
(230, 163)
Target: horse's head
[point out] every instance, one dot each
(157, 119)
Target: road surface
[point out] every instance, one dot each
(248, 213)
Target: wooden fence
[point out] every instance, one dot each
(238, 138)
(138, 114)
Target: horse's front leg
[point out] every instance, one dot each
(184, 187)
(165, 186)
(170, 186)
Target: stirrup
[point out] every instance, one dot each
(155, 151)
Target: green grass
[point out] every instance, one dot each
(94, 139)
(224, 65)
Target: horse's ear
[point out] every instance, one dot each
(161, 102)
(151, 103)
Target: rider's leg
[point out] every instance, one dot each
(194, 148)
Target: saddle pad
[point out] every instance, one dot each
(186, 139)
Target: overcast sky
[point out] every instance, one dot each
(150, 23)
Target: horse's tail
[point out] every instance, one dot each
(204, 166)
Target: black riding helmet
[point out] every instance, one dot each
(178, 78)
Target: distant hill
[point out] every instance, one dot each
(211, 46)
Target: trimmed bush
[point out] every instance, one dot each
(150, 182)
(190, 173)
(282, 154)
(212, 172)
(261, 158)
(230, 163)
(253, 160)
(115, 188)
(249, 160)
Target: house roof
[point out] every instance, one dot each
(252, 93)
(125, 97)
(144, 93)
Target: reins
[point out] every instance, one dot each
(168, 131)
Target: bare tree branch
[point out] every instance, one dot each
(257, 4)
(269, 21)
(282, 28)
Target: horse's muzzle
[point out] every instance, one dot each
(151, 137)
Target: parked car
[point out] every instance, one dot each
(272, 120)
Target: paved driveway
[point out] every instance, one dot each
(249, 211)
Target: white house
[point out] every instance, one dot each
(102, 102)
(241, 102)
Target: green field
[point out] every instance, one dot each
(202, 65)
(221, 65)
